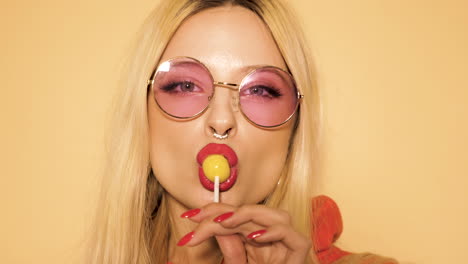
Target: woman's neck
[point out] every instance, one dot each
(206, 252)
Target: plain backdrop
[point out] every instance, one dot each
(394, 82)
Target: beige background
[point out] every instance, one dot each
(394, 80)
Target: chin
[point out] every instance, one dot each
(195, 196)
(198, 197)
(237, 197)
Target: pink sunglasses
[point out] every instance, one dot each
(183, 88)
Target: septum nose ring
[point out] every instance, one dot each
(219, 136)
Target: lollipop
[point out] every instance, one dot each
(216, 169)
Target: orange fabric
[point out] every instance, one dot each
(327, 227)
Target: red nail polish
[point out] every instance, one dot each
(256, 234)
(185, 239)
(190, 213)
(223, 217)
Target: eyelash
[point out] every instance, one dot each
(172, 85)
(272, 91)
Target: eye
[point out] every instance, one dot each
(181, 87)
(187, 86)
(261, 90)
(256, 90)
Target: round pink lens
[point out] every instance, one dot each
(268, 96)
(182, 87)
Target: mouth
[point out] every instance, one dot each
(231, 157)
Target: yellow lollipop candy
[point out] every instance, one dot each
(216, 165)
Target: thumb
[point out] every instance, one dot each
(232, 248)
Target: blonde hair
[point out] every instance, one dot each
(124, 231)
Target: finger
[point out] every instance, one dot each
(258, 214)
(297, 244)
(232, 248)
(230, 243)
(208, 228)
(208, 211)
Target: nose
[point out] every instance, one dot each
(220, 116)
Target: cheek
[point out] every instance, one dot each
(264, 161)
(170, 145)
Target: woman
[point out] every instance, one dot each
(232, 78)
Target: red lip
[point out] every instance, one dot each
(231, 157)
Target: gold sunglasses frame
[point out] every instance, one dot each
(232, 86)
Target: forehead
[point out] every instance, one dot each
(226, 39)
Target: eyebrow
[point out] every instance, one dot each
(246, 69)
(242, 71)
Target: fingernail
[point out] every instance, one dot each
(190, 213)
(185, 239)
(256, 234)
(223, 217)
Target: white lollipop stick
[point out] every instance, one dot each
(216, 190)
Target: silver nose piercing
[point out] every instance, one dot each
(223, 136)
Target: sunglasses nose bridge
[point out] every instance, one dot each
(232, 87)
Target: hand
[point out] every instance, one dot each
(249, 234)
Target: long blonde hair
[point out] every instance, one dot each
(124, 230)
